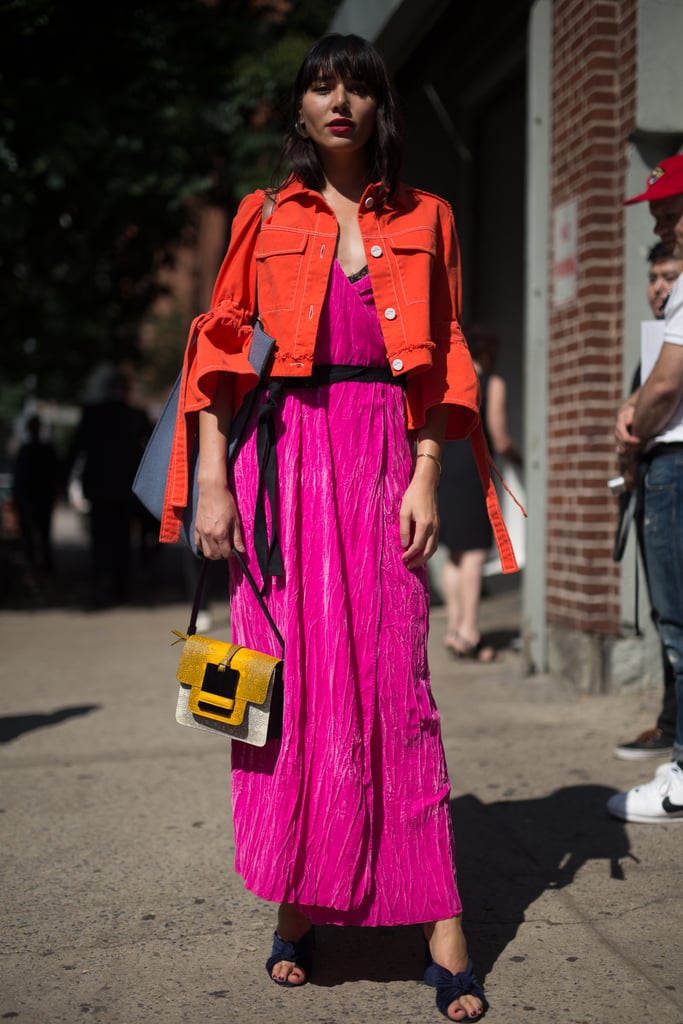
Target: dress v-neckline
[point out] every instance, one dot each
(357, 276)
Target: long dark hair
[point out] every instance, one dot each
(344, 57)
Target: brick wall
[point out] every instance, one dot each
(594, 81)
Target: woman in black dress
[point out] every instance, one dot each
(465, 528)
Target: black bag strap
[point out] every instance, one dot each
(627, 510)
(192, 628)
(267, 209)
(630, 510)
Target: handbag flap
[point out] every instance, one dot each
(224, 678)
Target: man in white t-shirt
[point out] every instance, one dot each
(656, 741)
(655, 431)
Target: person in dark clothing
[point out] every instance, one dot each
(464, 523)
(110, 439)
(34, 492)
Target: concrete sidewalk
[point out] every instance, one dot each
(119, 900)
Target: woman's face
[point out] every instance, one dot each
(338, 115)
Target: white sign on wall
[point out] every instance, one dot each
(565, 231)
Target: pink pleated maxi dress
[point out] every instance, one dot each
(348, 815)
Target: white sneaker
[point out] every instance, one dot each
(656, 801)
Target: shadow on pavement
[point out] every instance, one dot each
(510, 852)
(12, 726)
(347, 954)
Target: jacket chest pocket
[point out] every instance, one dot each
(414, 251)
(280, 256)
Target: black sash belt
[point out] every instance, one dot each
(268, 552)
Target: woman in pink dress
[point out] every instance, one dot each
(346, 818)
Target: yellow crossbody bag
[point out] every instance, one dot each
(228, 688)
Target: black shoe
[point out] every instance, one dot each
(651, 743)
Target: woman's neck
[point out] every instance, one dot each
(345, 180)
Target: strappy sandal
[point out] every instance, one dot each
(461, 649)
(299, 953)
(451, 986)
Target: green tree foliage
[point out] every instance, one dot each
(115, 120)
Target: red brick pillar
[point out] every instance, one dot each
(594, 82)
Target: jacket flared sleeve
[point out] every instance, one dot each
(218, 342)
(452, 380)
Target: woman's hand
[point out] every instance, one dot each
(419, 518)
(217, 524)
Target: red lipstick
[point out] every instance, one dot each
(341, 126)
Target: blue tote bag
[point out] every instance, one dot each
(149, 485)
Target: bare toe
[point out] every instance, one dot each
(286, 971)
(291, 960)
(465, 1008)
(455, 1011)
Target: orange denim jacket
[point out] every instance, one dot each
(413, 258)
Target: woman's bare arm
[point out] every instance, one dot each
(496, 420)
(217, 524)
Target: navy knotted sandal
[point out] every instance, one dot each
(451, 986)
(299, 953)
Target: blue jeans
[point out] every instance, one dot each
(662, 527)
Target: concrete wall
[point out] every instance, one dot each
(660, 69)
(363, 18)
(536, 316)
(395, 26)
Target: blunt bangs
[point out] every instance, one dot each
(344, 57)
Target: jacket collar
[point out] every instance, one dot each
(296, 190)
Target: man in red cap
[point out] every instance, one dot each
(657, 741)
(651, 428)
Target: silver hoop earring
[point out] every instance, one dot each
(300, 129)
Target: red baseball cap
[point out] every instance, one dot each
(664, 181)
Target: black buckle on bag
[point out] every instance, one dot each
(219, 681)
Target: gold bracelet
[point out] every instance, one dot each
(428, 455)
